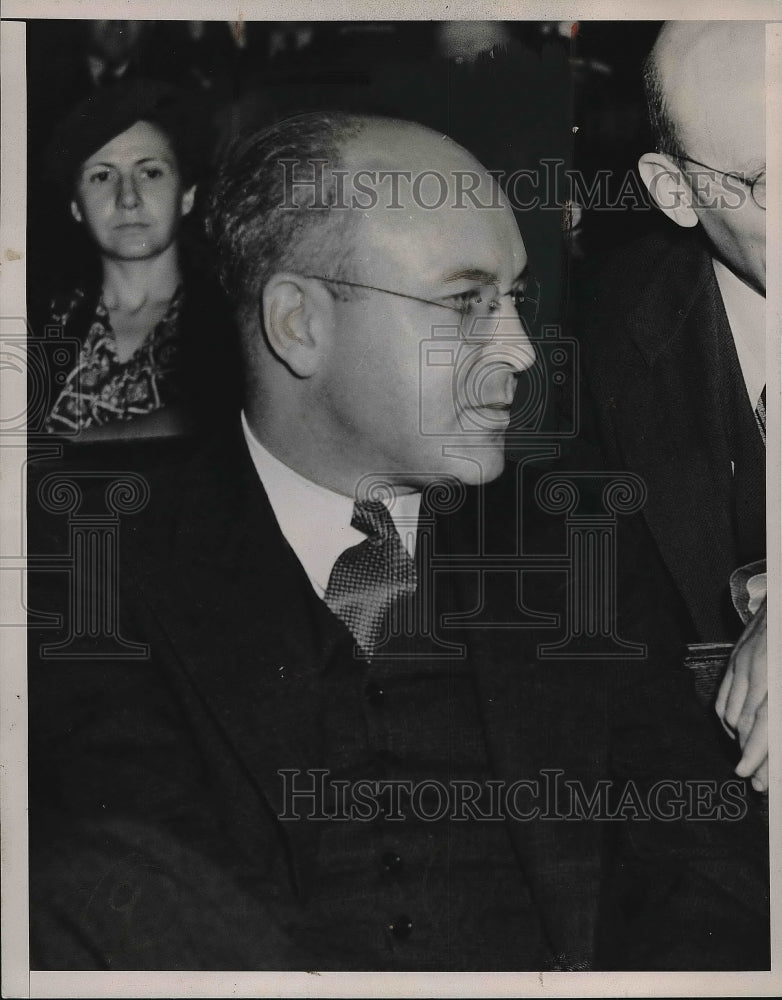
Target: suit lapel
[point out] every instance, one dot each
(539, 718)
(682, 333)
(234, 605)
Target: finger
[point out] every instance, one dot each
(738, 693)
(754, 742)
(756, 702)
(728, 729)
(760, 778)
(724, 691)
(758, 684)
(748, 722)
(744, 726)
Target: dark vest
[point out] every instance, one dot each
(398, 882)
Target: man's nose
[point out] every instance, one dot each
(127, 195)
(511, 340)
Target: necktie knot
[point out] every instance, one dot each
(370, 580)
(374, 519)
(760, 414)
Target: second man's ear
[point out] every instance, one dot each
(668, 186)
(297, 320)
(76, 211)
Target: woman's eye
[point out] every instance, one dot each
(98, 177)
(152, 173)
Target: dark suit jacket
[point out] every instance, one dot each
(155, 837)
(671, 405)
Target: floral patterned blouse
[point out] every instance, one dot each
(102, 389)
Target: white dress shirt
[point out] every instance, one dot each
(746, 311)
(315, 520)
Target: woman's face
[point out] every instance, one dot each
(129, 195)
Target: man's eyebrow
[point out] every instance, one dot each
(472, 274)
(484, 277)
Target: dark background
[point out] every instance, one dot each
(547, 91)
(511, 109)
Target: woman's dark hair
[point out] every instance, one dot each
(111, 111)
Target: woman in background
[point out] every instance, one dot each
(158, 348)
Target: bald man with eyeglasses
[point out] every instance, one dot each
(676, 358)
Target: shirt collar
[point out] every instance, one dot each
(746, 311)
(314, 520)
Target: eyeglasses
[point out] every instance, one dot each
(477, 307)
(757, 186)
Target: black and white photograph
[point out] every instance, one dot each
(391, 552)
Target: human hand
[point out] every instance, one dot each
(742, 701)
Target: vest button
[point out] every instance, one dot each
(392, 862)
(401, 928)
(374, 694)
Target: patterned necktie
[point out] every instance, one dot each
(369, 578)
(760, 414)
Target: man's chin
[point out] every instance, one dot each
(482, 466)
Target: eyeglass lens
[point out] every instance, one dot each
(758, 190)
(480, 311)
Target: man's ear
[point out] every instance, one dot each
(76, 212)
(298, 319)
(669, 188)
(187, 200)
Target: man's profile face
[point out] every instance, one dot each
(416, 390)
